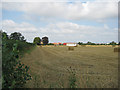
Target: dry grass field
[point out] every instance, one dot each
(84, 67)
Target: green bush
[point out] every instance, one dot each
(14, 73)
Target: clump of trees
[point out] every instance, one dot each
(17, 36)
(38, 41)
(14, 72)
(113, 43)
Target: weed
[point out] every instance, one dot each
(72, 78)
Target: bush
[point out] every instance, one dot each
(15, 74)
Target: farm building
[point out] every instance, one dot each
(71, 44)
(64, 43)
(57, 43)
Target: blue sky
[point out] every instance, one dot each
(94, 20)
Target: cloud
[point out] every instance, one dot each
(57, 0)
(68, 31)
(96, 10)
(12, 26)
(63, 31)
(106, 26)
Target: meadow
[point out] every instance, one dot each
(84, 67)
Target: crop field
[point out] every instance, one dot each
(84, 67)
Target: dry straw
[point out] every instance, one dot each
(117, 49)
(70, 48)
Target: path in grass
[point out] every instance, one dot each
(94, 66)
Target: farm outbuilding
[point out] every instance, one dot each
(57, 43)
(64, 43)
(71, 44)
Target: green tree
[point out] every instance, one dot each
(112, 43)
(4, 35)
(17, 36)
(45, 40)
(80, 43)
(90, 43)
(37, 40)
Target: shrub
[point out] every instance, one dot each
(72, 78)
(15, 74)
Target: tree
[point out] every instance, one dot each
(17, 36)
(45, 40)
(37, 40)
(80, 43)
(4, 35)
(119, 43)
(112, 43)
(90, 43)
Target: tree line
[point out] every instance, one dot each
(39, 41)
(91, 43)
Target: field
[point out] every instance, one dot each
(85, 67)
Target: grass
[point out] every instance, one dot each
(93, 67)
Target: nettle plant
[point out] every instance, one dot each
(14, 73)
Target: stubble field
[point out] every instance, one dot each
(85, 67)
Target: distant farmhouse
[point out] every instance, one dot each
(66, 44)
(71, 44)
(57, 43)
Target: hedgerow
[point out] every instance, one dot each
(14, 73)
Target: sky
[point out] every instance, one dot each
(62, 21)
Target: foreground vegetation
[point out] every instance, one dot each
(14, 72)
(84, 67)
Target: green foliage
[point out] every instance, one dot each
(72, 78)
(17, 36)
(50, 44)
(90, 43)
(15, 74)
(112, 43)
(4, 35)
(45, 40)
(37, 40)
(80, 43)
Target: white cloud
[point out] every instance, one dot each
(12, 26)
(67, 31)
(57, 0)
(71, 11)
(106, 26)
(63, 31)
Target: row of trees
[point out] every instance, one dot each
(39, 41)
(14, 36)
(90, 43)
(20, 37)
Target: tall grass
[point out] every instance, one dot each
(72, 78)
